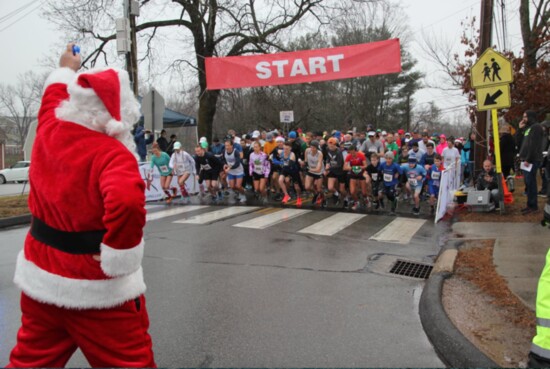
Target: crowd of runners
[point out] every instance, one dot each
(355, 170)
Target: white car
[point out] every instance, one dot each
(17, 172)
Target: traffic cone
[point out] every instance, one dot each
(508, 197)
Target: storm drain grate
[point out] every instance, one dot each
(410, 269)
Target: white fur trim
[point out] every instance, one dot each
(84, 107)
(117, 262)
(73, 293)
(60, 75)
(114, 128)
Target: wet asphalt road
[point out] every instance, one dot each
(222, 296)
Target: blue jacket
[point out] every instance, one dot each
(141, 142)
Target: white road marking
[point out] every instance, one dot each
(174, 211)
(269, 220)
(401, 230)
(214, 216)
(333, 224)
(150, 207)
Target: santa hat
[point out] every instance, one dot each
(101, 100)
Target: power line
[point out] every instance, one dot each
(22, 17)
(16, 11)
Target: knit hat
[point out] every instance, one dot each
(292, 134)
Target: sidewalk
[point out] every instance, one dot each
(519, 253)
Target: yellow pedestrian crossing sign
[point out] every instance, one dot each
(492, 68)
(493, 97)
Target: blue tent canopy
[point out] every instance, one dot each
(173, 119)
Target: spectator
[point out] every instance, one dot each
(545, 174)
(469, 149)
(487, 180)
(162, 141)
(508, 150)
(170, 148)
(142, 138)
(531, 156)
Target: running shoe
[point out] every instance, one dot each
(382, 204)
(286, 198)
(319, 200)
(346, 203)
(242, 197)
(336, 199)
(314, 200)
(214, 198)
(416, 211)
(168, 200)
(299, 201)
(432, 210)
(355, 206)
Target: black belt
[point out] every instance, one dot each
(77, 243)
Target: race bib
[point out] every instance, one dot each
(333, 163)
(164, 168)
(356, 169)
(180, 167)
(206, 167)
(413, 181)
(258, 167)
(436, 175)
(388, 177)
(374, 176)
(373, 149)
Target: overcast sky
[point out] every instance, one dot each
(27, 38)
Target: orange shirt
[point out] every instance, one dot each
(269, 146)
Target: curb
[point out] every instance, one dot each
(452, 347)
(15, 221)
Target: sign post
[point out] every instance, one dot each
(152, 107)
(491, 76)
(286, 117)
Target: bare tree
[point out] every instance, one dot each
(536, 36)
(217, 27)
(20, 102)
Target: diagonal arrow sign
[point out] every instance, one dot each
(492, 99)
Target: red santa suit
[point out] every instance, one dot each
(80, 270)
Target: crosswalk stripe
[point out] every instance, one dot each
(150, 207)
(333, 224)
(401, 230)
(174, 211)
(269, 220)
(214, 216)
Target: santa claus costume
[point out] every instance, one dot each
(80, 270)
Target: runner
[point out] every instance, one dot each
(162, 161)
(233, 168)
(373, 177)
(355, 164)
(276, 166)
(391, 173)
(314, 172)
(207, 169)
(183, 165)
(415, 179)
(334, 165)
(434, 175)
(290, 171)
(259, 169)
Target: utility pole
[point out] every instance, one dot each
(482, 140)
(126, 40)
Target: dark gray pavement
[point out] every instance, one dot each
(224, 296)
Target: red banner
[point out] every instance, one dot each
(304, 66)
